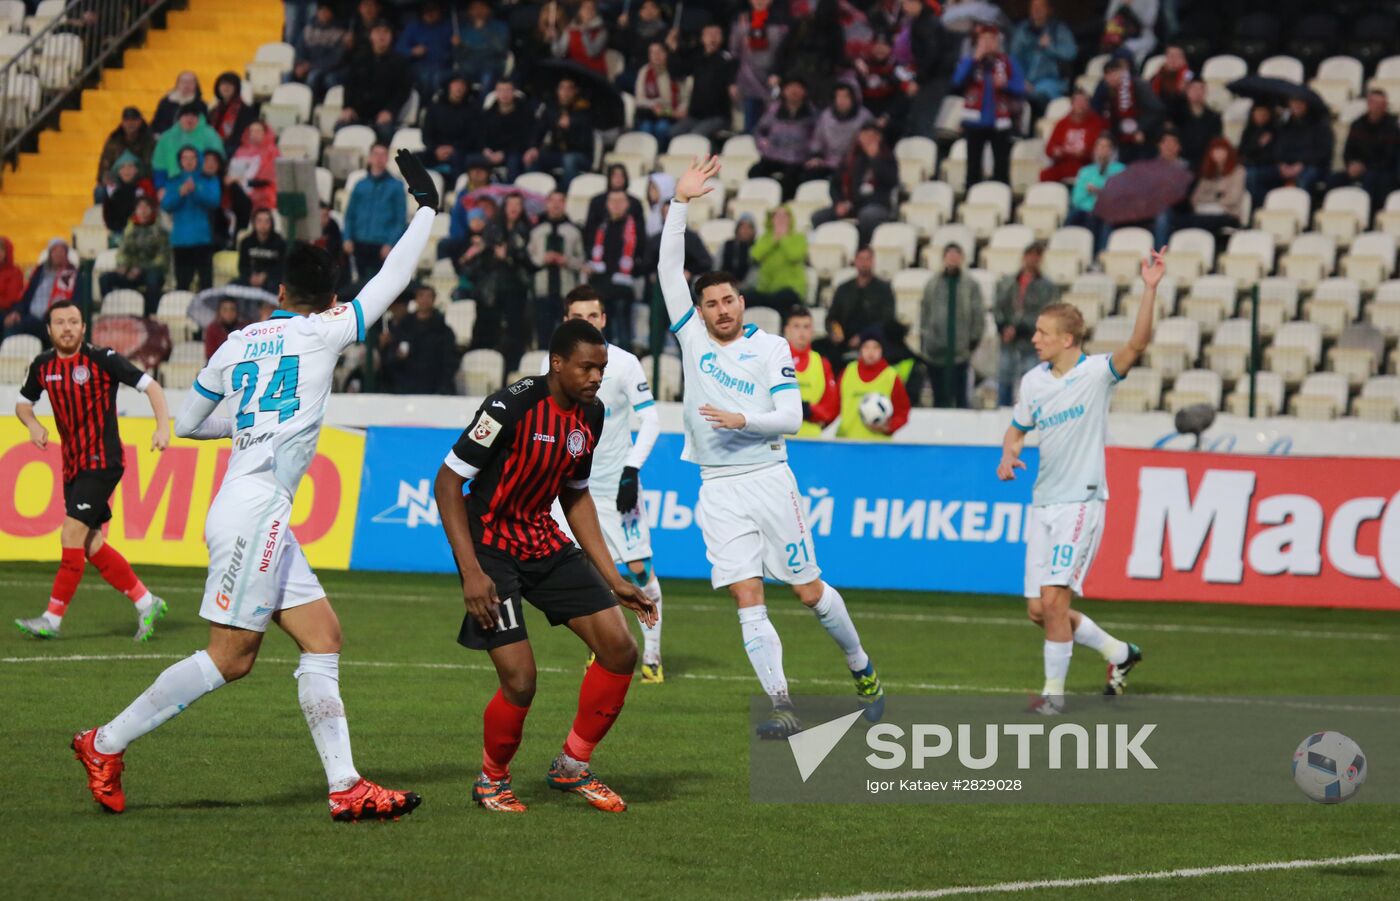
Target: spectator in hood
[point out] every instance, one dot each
(321, 51)
(783, 136)
(836, 130)
(506, 129)
(780, 255)
(451, 129)
(229, 115)
(261, 254)
(185, 92)
(143, 257)
(190, 198)
(481, 46)
(1071, 144)
(754, 42)
(427, 43)
(660, 189)
(11, 280)
(421, 357)
(132, 136)
(563, 139)
(377, 86)
(53, 280)
(190, 130)
(1043, 46)
(712, 88)
(254, 166)
(375, 217)
(124, 185)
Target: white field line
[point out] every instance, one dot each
(1117, 878)
(878, 615)
(946, 687)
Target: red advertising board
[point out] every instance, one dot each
(1237, 529)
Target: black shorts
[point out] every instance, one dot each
(561, 586)
(87, 496)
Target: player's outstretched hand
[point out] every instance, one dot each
(691, 184)
(480, 594)
(1006, 470)
(160, 439)
(631, 597)
(39, 435)
(723, 419)
(1154, 268)
(415, 175)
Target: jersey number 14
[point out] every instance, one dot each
(280, 396)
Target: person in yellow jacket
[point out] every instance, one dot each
(815, 381)
(870, 373)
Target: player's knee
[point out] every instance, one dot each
(618, 654)
(1035, 615)
(519, 688)
(810, 593)
(235, 665)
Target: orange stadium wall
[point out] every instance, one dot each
(158, 509)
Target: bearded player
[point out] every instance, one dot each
(81, 381)
(617, 468)
(276, 376)
(1065, 400)
(741, 400)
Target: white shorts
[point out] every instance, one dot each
(1061, 540)
(628, 536)
(256, 566)
(753, 526)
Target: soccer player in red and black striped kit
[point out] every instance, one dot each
(81, 381)
(530, 443)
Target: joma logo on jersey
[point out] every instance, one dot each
(541, 436)
(1060, 418)
(269, 546)
(710, 367)
(255, 349)
(230, 578)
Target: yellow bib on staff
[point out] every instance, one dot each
(811, 385)
(852, 390)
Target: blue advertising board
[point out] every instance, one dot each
(883, 515)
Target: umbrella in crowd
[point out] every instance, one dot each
(497, 194)
(204, 306)
(1276, 91)
(1141, 191)
(964, 17)
(604, 98)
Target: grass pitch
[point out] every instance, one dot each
(228, 799)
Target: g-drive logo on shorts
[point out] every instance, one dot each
(230, 577)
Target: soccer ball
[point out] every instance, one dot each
(1329, 767)
(875, 410)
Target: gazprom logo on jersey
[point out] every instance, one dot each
(1059, 418)
(709, 365)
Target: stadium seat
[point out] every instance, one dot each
(582, 190)
(1190, 253)
(300, 142)
(179, 376)
(1122, 258)
(1093, 73)
(811, 196)
(987, 206)
(1310, 258)
(1211, 300)
(955, 165)
(712, 205)
(1228, 352)
(1068, 253)
(1335, 303)
(1345, 213)
(1358, 353)
(668, 386)
(1379, 400)
(1268, 395)
(1278, 303)
(1384, 310)
(461, 318)
(1139, 392)
(11, 15)
(21, 347)
(738, 156)
(12, 47)
(1388, 219)
(1295, 352)
(1054, 112)
(930, 204)
(1285, 68)
(124, 302)
(1370, 260)
(1100, 285)
(1027, 159)
(349, 149)
(532, 362)
(838, 278)
(1194, 386)
(917, 158)
(894, 244)
(948, 233)
(541, 183)
(1089, 304)
(947, 125)
(1111, 333)
(1285, 213)
(1003, 254)
(22, 95)
(756, 196)
(637, 151)
(1323, 395)
(1248, 256)
(1044, 208)
(1164, 306)
(1338, 80)
(1175, 347)
(714, 233)
(682, 150)
(908, 286)
(831, 246)
(481, 372)
(290, 104)
(1219, 71)
(173, 310)
(766, 318)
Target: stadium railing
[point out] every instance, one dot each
(60, 58)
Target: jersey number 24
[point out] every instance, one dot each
(280, 396)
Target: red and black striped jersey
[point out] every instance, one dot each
(520, 450)
(82, 390)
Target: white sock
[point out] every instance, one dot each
(765, 651)
(147, 601)
(651, 635)
(831, 612)
(175, 689)
(1057, 654)
(53, 619)
(318, 689)
(1089, 634)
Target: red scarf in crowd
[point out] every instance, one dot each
(984, 79)
(629, 246)
(226, 117)
(651, 89)
(758, 30)
(1125, 105)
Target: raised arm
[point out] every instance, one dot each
(1126, 357)
(402, 261)
(670, 265)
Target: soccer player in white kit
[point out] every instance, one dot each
(741, 398)
(276, 376)
(617, 464)
(1065, 400)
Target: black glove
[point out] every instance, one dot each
(806, 410)
(627, 490)
(420, 183)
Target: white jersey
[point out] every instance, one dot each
(742, 376)
(1070, 413)
(277, 376)
(624, 391)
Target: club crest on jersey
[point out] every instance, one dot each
(574, 445)
(522, 386)
(486, 430)
(81, 374)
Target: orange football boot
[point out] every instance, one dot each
(586, 784)
(496, 795)
(104, 772)
(367, 801)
